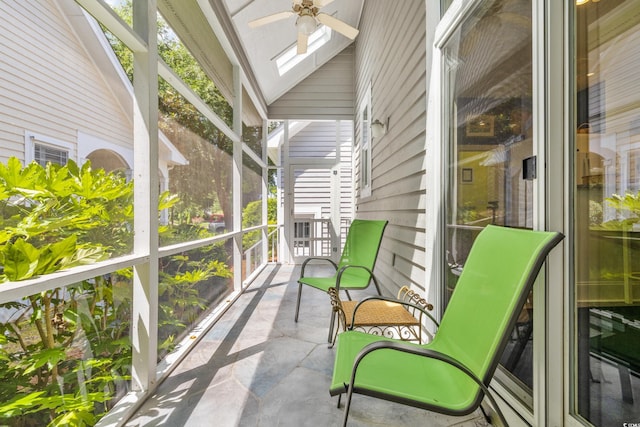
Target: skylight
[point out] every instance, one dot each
(289, 58)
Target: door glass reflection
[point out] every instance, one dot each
(488, 74)
(607, 212)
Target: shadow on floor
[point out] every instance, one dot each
(257, 367)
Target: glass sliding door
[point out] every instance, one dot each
(606, 344)
(490, 146)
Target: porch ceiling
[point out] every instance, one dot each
(196, 21)
(263, 44)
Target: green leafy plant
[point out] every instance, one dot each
(628, 202)
(65, 354)
(53, 218)
(252, 215)
(183, 281)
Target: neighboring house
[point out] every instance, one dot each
(76, 102)
(317, 181)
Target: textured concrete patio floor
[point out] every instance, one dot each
(257, 367)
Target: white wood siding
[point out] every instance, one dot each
(315, 143)
(317, 140)
(390, 54)
(312, 192)
(48, 84)
(328, 93)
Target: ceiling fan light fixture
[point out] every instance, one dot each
(306, 24)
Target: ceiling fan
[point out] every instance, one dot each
(309, 15)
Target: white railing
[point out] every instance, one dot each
(313, 237)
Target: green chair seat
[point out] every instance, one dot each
(451, 374)
(355, 268)
(422, 382)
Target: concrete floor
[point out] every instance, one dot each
(257, 367)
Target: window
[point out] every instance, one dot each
(302, 229)
(43, 150)
(43, 155)
(290, 58)
(365, 146)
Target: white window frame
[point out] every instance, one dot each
(32, 138)
(365, 145)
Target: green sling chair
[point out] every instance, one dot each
(451, 374)
(355, 269)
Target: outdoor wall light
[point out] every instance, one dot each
(378, 128)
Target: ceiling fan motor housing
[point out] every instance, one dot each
(306, 21)
(309, 17)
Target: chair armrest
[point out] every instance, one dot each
(423, 352)
(395, 300)
(306, 261)
(406, 294)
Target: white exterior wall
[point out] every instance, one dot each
(390, 56)
(318, 141)
(49, 84)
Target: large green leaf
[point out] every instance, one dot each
(20, 260)
(15, 176)
(19, 404)
(52, 257)
(167, 200)
(48, 356)
(88, 255)
(58, 181)
(74, 419)
(4, 192)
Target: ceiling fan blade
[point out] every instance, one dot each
(302, 43)
(337, 25)
(270, 18)
(321, 3)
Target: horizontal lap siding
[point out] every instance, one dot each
(317, 141)
(328, 93)
(49, 83)
(390, 55)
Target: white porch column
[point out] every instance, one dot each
(145, 136)
(237, 178)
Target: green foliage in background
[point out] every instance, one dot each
(54, 218)
(628, 205)
(65, 354)
(252, 215)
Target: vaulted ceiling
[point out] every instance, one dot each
(196, 21)
(263, 44)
